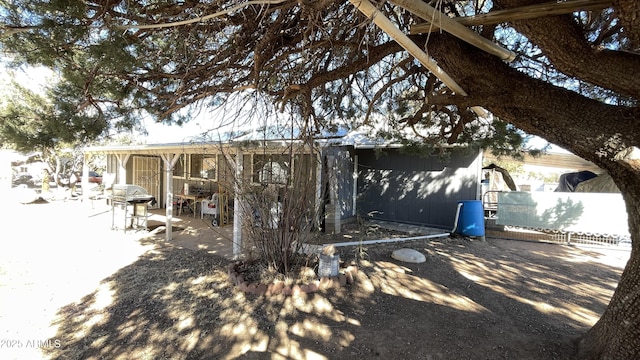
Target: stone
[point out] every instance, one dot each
(409, 255)
(275, 288)
(253, 288)
(307, 272)
(343, 279)
(325, 283)
(24, 195)
(329, 250)
(262, 289)
(353, 269)
(349, 276)
(314, 286)
(239, 279)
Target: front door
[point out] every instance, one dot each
(146, 173)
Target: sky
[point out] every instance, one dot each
(207, 123)
(161, 133)
(34, 78)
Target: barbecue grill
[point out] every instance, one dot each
(126, 196)
(132, 194)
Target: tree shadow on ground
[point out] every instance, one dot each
(177, 303)
(499, 299)
(468, 301)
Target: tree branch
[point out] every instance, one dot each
(570, 52)
(7, 30)
(386, 87)
(203, 18)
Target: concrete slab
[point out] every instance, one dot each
(410, 229)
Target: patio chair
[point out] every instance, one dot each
(211, 207)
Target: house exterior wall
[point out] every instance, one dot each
(406, 188)
(262, 176)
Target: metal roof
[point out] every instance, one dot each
(361, 138)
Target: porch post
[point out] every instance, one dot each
(332, 210)
(237, 206)
(169, 162)
(319, 201)
(355, 184)
(122, 167)
(479, 158)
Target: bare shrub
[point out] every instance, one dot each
(279, 205)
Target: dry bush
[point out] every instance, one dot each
(280, 210)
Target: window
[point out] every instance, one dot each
(271, 169)
(180, 166)
(273, 173)
(204, 166)
(199, 166)
(210, 167)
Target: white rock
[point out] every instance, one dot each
(409, 255)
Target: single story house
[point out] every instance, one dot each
(348, 174)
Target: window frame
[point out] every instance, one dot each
(184, 166)
(197, 166)
(256, 174)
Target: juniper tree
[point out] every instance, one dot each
(574, 79)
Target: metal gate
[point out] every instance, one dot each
(146, 173)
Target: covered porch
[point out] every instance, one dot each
(196, 177)
(180, 177)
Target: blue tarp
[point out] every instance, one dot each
(569, 181)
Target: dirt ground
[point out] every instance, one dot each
(70, 288)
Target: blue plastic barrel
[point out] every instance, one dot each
(471, 218)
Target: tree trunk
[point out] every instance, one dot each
(590, 129)
(616, 335)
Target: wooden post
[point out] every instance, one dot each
(403, 40)
(169, 162)
(122, 167)
(237, 206)
(355, 185)
(440, 20)
(332, 210)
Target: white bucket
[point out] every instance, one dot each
(329, 265)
